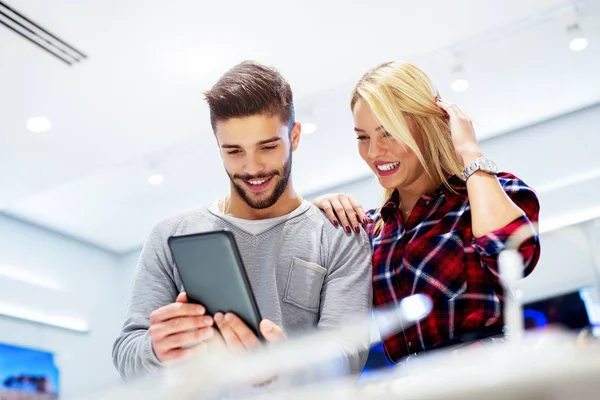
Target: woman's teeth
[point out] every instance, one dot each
(387, 167)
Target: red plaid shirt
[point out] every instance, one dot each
(435, 254)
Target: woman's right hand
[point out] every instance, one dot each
(343, 210)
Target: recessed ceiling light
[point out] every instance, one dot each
(309, 128)
(578, 43)
(39, 124)
(460, 85)
(156, 179)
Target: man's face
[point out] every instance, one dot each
(257, 154)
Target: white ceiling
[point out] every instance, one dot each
(137, 100)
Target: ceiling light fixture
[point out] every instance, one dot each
(40, 317)
(570, 180)
(459, 80)
(31, 278)
(39, 124)
(306, 113)
(569, 219)
(459, 85)
(308, 128)
(577, 40)
(156, 179)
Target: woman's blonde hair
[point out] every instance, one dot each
(396, 91)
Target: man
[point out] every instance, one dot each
(305, 272)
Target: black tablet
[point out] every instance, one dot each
(213, 274)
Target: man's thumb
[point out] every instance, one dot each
(182, 298)
(270, 331)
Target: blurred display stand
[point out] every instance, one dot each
(543, 356)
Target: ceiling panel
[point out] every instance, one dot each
(136, 103)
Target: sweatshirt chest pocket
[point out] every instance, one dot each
(304, 283)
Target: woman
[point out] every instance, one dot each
(447, 212)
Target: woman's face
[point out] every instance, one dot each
(395, 165)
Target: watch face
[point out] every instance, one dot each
(488, 165)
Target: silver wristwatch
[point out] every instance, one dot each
(483, 163)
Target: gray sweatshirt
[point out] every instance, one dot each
(304, 272)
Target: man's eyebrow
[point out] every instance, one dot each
(260, 143)
(267, 141)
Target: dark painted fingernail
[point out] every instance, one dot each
(348, 229)
(356, 229)
(335, 223)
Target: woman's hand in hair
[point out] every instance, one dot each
(343, 210)
(463, 134)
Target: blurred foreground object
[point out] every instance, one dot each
(299, 362)
(549, 364)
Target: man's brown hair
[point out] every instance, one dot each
(250, 89)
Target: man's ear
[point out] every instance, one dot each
(295, 135)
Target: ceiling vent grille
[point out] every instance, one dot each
(39, 36)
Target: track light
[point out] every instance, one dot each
(155, 175)
(306, 115)
(459, 81)
(577, 40)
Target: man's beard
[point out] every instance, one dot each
(278, 190)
